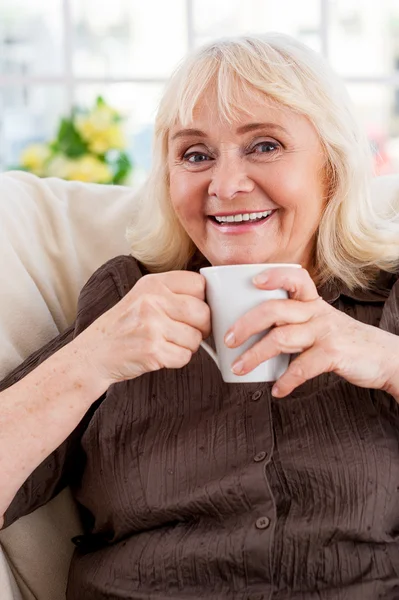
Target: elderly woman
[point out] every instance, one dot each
(190, 487)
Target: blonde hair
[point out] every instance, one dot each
(355, 238)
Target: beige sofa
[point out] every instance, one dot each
(53, 235)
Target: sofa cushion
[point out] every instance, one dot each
(53, 235)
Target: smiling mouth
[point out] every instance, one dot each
(240, 218)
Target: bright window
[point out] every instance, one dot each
(58, 53)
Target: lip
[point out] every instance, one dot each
(243, 227)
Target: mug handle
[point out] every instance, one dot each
(211, 353)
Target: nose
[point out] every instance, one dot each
(229, 178)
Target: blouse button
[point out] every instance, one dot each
(260, 456)
(262, 523)
(78, 540)
(256, 395)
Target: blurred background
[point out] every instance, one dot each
(60, 54)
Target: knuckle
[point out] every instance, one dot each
(144, 282)
(182, 307)
(149, 329)
(275, 311)
(200, 283)
(254, 356)
(205, 311)
(184, 303)
(194, 281)
(146, 306)
(197, 338)
(184, 355)
(192, 338)
(149, 350)
(269, 307)
(279, 336)
(292, 280)
(298, 370)
(300, 276)
(153, 282)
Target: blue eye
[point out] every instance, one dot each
(195, 157)
(265, 147)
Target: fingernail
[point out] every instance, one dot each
(275, 391)
(261, 279)
(229, 339)
(237, 367)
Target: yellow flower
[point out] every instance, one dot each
(85, 168)
(111, 138)
(34, 158)
(90, 169)
(100, 130)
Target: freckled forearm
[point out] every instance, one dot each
(39, 412)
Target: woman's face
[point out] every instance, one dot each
(250, 191)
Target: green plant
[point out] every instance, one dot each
(89, 146)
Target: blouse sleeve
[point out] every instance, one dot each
(63, 466)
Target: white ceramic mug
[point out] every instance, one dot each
(230, 294)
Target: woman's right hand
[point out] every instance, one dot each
(159, 323)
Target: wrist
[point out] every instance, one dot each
(80, 364)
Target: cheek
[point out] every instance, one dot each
(301, 189)
(185, 196)
(185, 202)
(178, 192)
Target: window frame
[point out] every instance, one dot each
(69, 81)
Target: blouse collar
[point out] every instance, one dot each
(377, 292)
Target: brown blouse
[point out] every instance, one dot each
(193, 488)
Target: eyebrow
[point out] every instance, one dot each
(243, 129)
(189, 132)
(255, 126)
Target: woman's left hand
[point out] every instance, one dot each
(325, 338)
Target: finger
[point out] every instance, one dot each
(182, 335)
(173, 356)
(297, 282)
(183, 282)
(268, 314)
(189, 310)
(286, 339)
(309, 364)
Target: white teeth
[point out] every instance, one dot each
(243, 217)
